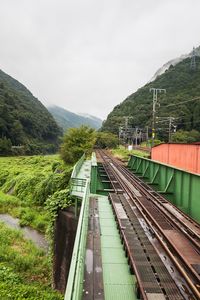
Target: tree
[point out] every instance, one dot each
(5, 146)
(17, 133)
(182, 136)
(77, 141)
(182, 86)
(106, 140)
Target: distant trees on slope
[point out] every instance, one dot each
(182, 85)
(24, 121)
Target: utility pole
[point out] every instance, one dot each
(171, 124)
(126, 125)
(136, 130)
(170, 127)
(147, 135)
(155, 101)
(120, 132)
(126, 119)
(193, 60)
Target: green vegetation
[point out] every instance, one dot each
(77, 141)
(66, 119)
(24, 270)
(58, 201)
(106, 140)
(26, 183)
(186, 136)
(122, 153)
(81, 140)
(147, 144)
(181, 83)
(26, 126)
(33, 189)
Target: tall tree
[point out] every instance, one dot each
(77, 141)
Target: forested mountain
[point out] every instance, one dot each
(182, 84)
(174, 62)
(67, 119)
(26, 126)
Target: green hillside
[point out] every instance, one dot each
(181, 83)
(25, 124)
(66, 119)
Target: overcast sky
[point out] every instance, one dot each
(89, 55)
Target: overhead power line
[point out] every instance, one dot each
(193, 60)
(173, 104)
(189, 122)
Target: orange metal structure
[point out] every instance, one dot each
(184, 156)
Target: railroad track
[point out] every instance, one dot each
(176, 233)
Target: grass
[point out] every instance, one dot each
(24, 270)
(122, 153)
(29, 215)
(25, 185)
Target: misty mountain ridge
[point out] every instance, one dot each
(67, 119)
(182, 86)
(173, 62)
(90, 117)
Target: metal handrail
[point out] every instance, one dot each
(78, 166)
(74, 289)
(77, 184)
(94, 159)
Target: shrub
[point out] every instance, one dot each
(106, 140)
(77, 141)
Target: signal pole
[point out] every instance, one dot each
(171, 121)
(193, 60)
(126, 119)
(136, 130)
(170, 127)
(155, 101)
(147, 135)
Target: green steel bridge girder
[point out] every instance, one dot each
(79, 187)
(178, 186)
(99, 182)
(93, 182)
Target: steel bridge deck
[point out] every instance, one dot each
(107, 273)
(121, 255)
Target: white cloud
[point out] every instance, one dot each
(89, 55)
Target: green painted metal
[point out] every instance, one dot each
(178, 186)
(75, 279)
(99, 184)
(78, 166)
(79, 187)
(119, 284)
(93, 183)
(103, 183)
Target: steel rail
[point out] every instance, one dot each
(178, 223)
(197, 245)
(165, 210)
(179, 267)
(192, 235)
(141, 207)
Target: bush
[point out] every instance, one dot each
(106, 140)
(5, 146)
(77, 141)
(25, 271)
(182, 136)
